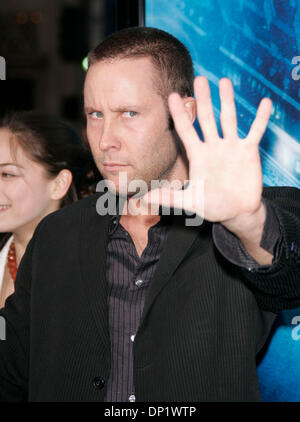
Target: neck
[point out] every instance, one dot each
(145, 219)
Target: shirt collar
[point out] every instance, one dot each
(166, 215)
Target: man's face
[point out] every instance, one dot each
(127, 121)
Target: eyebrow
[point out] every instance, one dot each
(11, 164)
(89, 109)
(125, 107)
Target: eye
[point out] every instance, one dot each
(5, 175)
(96, 115)
(130, 114)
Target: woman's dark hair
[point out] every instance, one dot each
(55, 145)
(52, 143)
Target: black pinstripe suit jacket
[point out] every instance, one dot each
(203, 322)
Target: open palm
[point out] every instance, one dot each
(225, 175)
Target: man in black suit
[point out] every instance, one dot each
(127, 307)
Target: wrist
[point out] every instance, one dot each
(248, 227)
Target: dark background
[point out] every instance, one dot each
(44, 43)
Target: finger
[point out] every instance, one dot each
(167, 198)
(261, 120)
(228, 109)
(183, 125)
(205, 112)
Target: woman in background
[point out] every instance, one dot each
(43, 167)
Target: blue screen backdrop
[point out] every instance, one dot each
(253, 43)
(256, 43)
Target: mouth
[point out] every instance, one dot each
(4, 207)
(114, 166)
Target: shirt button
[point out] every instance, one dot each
(132, 337)
(98, 383)
(138, 283)
(131, 398)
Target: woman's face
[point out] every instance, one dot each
(25, 189)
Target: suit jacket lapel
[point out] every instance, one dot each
(179, 240)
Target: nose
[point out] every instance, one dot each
(109, 137)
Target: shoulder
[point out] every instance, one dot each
(70, 215)
(282, 199)
(75, 209)
(284, 192)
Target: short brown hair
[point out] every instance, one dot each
(169, 56)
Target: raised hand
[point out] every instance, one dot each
(228, 168)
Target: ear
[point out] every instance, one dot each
(190, 107)
(61, 184)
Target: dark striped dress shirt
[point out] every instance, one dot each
(128, 277)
